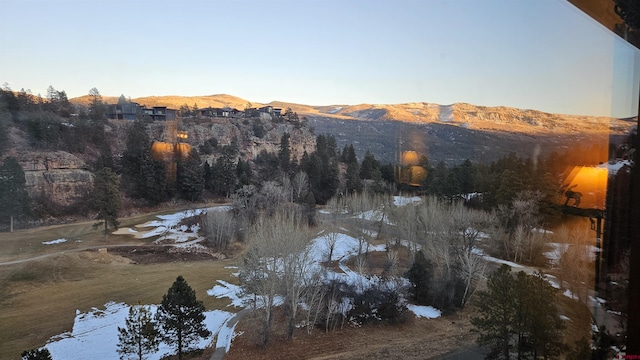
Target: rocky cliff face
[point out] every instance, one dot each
(225, 131)
(60, 177)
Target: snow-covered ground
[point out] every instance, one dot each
(53, 242)
(557, 249)
(167, 227)
(345, 247)
(403, 200)
(95, 334)
(374, 215)
(428, 312)
(479, 252)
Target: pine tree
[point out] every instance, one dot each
(134, 159)
(97, 108)
(369, 165)
(140, 336)
(13, 192)
(181, 316)
(5, 123)
(322, 168)
(517, 316)
(420, 275)
(190, 177)
(105, 199)
(143, 177)
(495, 323)
(243, 172)
(223, 172)
(284, 154)
(354, 184)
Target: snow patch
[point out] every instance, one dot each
(402, 200)
(428, 312)
(53, 242)
(95, 334)
(614, 167)
(231, 291)
(479, 252)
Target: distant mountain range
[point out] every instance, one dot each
(468, 116)
(451, 133)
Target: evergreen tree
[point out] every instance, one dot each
(97, 109)
(223, 172)
(143, 177)
(510, 186)
(354, 184)
(140, 336)
(136, 153)
(243, 172)
(156, 187)
(105, 199)
(9, 101)
(495, 323)
(322, 168)
(190, 177)
(184, 111)
(13, 191)
(542, 327)
(420, 275)
(208, 176)
(195, 110)
(464, 176)
(284, 154)
(181, 316)
(36, 354)
(349, 155)
(517, 316)
(63, 106)
(437, 180)
(368, 166)
(5, 123)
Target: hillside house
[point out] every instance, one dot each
(126, 111)
(131, 111)
(213, 112)
(160, 113)
(269, 112)
(220, 112)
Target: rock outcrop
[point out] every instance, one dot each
(59, 177)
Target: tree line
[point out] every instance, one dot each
(329, 170)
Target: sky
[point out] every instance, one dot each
(532, 54)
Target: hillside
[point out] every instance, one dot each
(175, 101)
(451, 133)
(463, 115)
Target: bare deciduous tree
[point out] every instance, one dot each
(219, 228)
(300, 185)
(520, 220)
(576, 263)
(330, 240)
(277, 266)
(449, 234)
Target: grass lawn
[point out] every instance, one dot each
(39, 298)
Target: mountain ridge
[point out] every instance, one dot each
(470, 116)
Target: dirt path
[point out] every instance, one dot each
(13, 262)
(227, 328)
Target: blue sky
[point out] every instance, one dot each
(535, 54)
